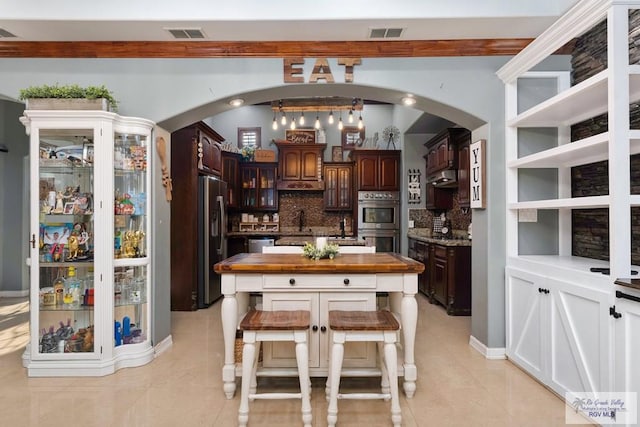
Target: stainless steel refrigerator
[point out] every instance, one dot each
(212, 225)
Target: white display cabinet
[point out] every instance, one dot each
(559, 324)
(90, 242)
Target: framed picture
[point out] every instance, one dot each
(300, 136)
(56, 233)
(68, 208)
(336, 154)
(352, 137)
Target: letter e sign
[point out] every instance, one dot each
(477, 175)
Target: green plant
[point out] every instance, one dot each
(69, 91)
(312, 252)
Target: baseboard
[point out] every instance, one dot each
(163, 346)
(489, 353)
(14, 294)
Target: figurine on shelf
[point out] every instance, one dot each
(128, 244)
(59, 203)
(73, 247)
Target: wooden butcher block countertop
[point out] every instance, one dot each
(381, 262)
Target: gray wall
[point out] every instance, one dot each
(463, 90)
(13, 270)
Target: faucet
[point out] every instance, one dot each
(342, 227)
(301, 219)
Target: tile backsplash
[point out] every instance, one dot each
(460, 220)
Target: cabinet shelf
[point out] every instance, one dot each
(65, 308)
(130, 262)
(582, 101)
(591, 202)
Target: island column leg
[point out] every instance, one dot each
(229, 312)
(409, 315)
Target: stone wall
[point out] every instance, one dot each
(590, 228)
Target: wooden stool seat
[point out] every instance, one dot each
(378, 326)
(258, 326)
(256, 320)
(381, 320)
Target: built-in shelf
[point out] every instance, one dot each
(591, 202)
(583, 101)
(585, 151)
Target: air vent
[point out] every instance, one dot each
(5, 33)
(186, 33)
(385, 33)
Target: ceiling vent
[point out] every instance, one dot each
(385, 33)
(186, 33)
(4, 33)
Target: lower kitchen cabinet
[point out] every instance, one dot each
(627, 343)
(283, 355)
(559, 332)
(450, 278)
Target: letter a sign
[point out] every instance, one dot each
(477, 175)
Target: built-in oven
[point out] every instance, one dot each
(378, 210)
(383, 240)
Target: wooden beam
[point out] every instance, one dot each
(263, 49)
(316, 104)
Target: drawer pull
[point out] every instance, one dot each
(346, 281)
(292, 281)
(314, 328)
(323, 329)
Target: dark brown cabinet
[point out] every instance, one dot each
(378, 170)
(442, 149)
(300, 166)
(338, 190)
(419, 251)
(464, 170)
(438, 198)
(450, 278)
(231, 175)
(195, 151)
(258, 182)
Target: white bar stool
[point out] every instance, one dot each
(378, 326)
(258, 326)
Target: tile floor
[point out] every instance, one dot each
(182, 387)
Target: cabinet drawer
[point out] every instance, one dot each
(316, 281)
(440, 251)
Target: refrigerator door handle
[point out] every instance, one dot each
(221, 223)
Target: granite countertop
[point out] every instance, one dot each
(301, 240)
(424, 235)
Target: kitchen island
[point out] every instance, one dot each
(292, 281)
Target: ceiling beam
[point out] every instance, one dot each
(317, 104)
(265, 49)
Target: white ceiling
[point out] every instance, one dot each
(254, 20)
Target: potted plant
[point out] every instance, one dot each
(68, 97)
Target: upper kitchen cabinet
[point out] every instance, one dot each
(203, 145)
(377, 170)
(231, 175)
(300, 166)
(338, 192)
(90, 242)
(442, 149)
(259, 191)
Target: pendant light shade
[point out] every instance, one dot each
(302, 119)
(360, 123)
(274, 125)
(350, 116)
(330, 117)
(283, 120)
(340, 125)
(317, 124)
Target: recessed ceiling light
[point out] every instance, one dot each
(236, 102)
(408, 100)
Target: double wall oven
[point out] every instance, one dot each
(379, 219)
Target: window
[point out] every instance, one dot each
(249, 137)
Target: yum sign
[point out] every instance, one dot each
(293, 73)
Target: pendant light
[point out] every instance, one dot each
(340, 125)
(317, 124)
(330, 117)
(283, 120)
(274, 125)
(351, 116)
(292, 126)
(360, 122)
(302, 118)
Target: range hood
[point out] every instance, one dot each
(443, 179)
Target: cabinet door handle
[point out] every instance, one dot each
(540, 290)
(292, 281)
(546, 291)
(33, 241)
(614, 313)
(314, 328)
(323, 329)
(346, 281)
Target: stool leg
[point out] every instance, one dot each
(384, 380)
(391, 360)
(337, 353)
(327, 387)
(254, 370)
(302, 358)
(248, 355)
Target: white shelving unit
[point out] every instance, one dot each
(558, 323)
(90, 243)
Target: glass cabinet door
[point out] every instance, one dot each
(65, 245)
(131, 236)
